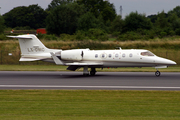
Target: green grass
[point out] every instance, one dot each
(32, 68)
(63, 68)
(89, 104)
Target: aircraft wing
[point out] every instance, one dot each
(84, 64)
(74, 66)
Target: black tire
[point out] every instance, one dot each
(92, 73)
(85, 74)
(157, 73)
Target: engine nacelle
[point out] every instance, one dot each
(74, 55)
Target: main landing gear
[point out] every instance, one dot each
(93, 71)
(86, 72)
(157, 73)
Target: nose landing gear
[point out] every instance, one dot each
(157, 73)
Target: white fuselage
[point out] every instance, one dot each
(125, 58)
(113, 58)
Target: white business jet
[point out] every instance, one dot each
(33, 49)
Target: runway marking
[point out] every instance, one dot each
(106, 87)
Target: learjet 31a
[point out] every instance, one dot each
(33, 49)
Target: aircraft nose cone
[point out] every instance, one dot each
(170, 62)
(173, 63)
(166, 61)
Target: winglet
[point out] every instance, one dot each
(56, 59)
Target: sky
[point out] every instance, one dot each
(147, 7)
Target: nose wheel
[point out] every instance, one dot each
(157, 73)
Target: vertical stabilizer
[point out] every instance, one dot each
(30, 44)
(33, 49)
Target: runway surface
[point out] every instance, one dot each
(102, 80)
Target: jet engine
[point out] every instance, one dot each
(74, 55)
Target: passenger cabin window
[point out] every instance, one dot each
(147, 53)
(110, 55)
(103, 55)
(123, 55)
(130, 55)
(116, 55)
(96, 55)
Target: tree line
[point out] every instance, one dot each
(94, 19)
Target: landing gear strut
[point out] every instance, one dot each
(93, 71)
(85, 71)
(157, 73)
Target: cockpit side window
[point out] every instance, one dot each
(147, 53)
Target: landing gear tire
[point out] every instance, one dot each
(85, 74)
(93, 71)
(157, 73)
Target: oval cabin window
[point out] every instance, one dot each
(116, 55)
(130, 55)
(103, 55)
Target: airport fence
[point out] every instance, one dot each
(12, 58)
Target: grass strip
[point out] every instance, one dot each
(63, 68)
(89, 104)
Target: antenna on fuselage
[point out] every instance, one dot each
(119, 48)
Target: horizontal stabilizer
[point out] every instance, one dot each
(21, 37)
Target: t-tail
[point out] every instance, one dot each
(33, 49)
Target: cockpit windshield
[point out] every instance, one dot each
(147, 53)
